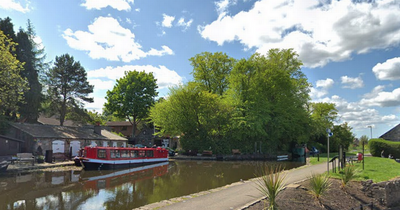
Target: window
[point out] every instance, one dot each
(142, 153)
(124, 128)
(149, 153)
(134, 153)
(101, 153)
(124, 154)
(114, 153)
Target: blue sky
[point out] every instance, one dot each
(350, 49)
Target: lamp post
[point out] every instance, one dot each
(370, 127)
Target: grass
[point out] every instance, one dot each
(322, 157)
(376, 168)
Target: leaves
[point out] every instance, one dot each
(132, 97)
(67, 86)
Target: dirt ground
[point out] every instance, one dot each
(297, 196)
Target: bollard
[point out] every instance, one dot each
(361, 207)
(318, 156)
(372, 205)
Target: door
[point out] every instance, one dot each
(58, 146)
(75, 146)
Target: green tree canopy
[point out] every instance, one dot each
(12, 85)
(211, 70)
(201, 117)
(132, 97)
(67, 87)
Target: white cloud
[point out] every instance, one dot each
(358, 116)
(389, 70)
(107, 39)
(104, 79)
(352, 83)
(319, 32)
(100, 4)
(185, 25)
(380, 98)
(14, 5)
(322, 87)
(165, 77)
(167, 21)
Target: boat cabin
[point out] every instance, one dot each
(124, 153)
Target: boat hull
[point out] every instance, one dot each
(96, 164)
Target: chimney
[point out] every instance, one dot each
(97, 129)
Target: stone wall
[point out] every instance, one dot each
(385, 193)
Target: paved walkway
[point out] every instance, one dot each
(234, 196)
(26, 166)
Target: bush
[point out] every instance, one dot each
(319, 184)
(377, 145)
(271, 183)
(349, 173)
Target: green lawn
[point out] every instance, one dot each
(376, 168)
(323, 157)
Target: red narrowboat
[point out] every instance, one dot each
(104, 158)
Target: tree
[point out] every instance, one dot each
(200, 117)
(33, 58)
(342, 135)
(270, 93)
(132, 97)
(212, 71)
(12, 85)
(67, 86)
(364, 139)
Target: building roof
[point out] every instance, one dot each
(66, 132)
(393, 134)
(10, 139)
(118, 123)
(54, 121)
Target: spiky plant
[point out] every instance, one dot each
(348, 174)
(319, 184)
(271, 183)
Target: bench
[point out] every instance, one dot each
(190, 152)
(207, 153)
(236, 152)
(282, 157)
(25, 157)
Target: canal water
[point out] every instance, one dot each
(123, 189)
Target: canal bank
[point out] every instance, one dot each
(238, 195)
(17, 167)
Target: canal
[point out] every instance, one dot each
(73, 188)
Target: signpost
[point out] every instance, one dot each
(329, 134)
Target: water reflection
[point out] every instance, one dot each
(125, 189)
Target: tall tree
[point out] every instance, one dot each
(67, 86)
(33, 58)
(12, 85)
(132, 97)
(211, 70)
(270, 93)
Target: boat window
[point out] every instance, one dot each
(124, 153)
(142, 153)
(134, 153)
(101, 153)
(149, 153)
(115, 154)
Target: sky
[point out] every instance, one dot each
(349, 48)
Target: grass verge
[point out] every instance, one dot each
(376, 168)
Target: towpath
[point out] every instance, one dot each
(234, 196)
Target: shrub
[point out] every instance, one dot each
(319, 184)
(271, 183)
(348, 174)
(377, 145)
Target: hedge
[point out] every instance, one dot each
(390, 147)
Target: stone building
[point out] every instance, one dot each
(39, 138)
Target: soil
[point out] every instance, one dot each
(297, 196)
